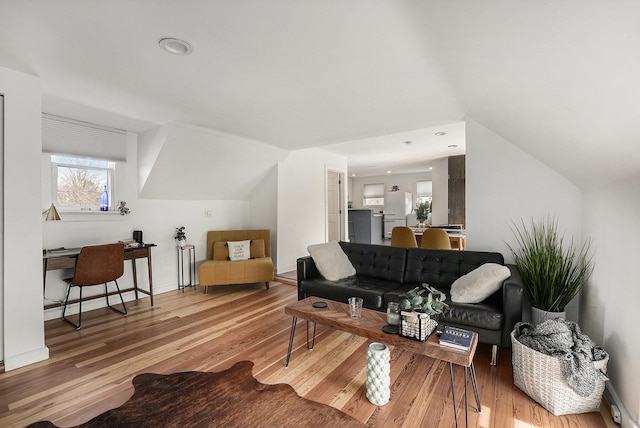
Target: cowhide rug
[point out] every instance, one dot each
(231, 398)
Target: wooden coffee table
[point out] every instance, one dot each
(336, 315)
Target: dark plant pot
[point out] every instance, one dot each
(538, 315)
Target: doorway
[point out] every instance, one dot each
(335, 205)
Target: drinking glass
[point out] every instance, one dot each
(355, 307)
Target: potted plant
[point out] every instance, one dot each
(180, 236)
(422, 211)
(552, 273)
(420, 310)
(431, 304)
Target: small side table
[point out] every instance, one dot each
(190, 249)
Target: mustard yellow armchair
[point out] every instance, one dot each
(219, 270)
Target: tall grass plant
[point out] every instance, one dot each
(552, 273)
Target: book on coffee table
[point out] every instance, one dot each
(457, 338)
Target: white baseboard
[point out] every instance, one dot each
(285, 269)
(12, 362)
(612, 398)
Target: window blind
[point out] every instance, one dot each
(373, 190)
(424, 188)
(70, 137)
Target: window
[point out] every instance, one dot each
(373, 194)
(424, 190)
(84, 159)
(78, 183)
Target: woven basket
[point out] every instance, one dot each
(540, 377)
(417, 325)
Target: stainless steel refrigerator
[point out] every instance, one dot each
(396, 207)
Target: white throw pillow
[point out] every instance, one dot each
(331, 261)
(239, 250)
(479, 284)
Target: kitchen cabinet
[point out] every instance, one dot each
(365, 226)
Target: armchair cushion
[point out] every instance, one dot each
(220, 250)
(479, 284)
(256, 250)
(239, 250)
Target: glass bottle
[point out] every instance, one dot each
(104, 200)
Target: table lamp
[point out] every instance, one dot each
(52, 214)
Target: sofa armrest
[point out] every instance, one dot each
(306, 269)
(512, 301)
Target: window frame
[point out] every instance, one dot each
(110, 169)
(424, 196)
(373, 199)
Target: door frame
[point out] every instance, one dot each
(342, 201)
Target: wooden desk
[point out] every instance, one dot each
(66, 259)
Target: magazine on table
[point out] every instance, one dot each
(457, 338)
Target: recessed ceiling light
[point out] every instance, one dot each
(388, 172)
(440, 134)
(408, 142)
(175, 46)
(452, 145)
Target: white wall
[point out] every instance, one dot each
(440, 202)
(405, 182)
(302, 204)
(504, 184)
(188, 162)
(156, 218)
(291, 194)
(263, 208)
(609, 306)
(2, 229)
(23, 333)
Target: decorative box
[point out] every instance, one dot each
(417, 325)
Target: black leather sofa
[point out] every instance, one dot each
(384, 272)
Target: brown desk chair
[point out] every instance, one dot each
(435, 238)
(96, 264)
(402, 236)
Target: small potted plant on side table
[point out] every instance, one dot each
(420, 310)
(180, 236)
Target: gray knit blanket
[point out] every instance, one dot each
(574, 349)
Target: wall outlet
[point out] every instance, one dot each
(208, 213)
(615, 414)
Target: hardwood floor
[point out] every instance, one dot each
(90, 370)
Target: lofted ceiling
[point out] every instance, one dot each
(402, 153)
(556, 78)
